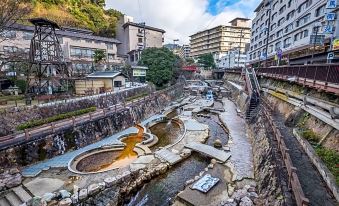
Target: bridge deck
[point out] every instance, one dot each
(209, 151)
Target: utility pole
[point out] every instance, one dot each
(143, 24)
(239, 47)
(314, 43)
(268, 33)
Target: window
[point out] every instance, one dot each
(289, 28)
(277, 45)
(275, 5)
(273, 26)
(270, 49)
(279, 33)
(82, 52)
(281, 21)
(8, 34)
(289, 3)
(297, 37)
(110, 56)
(287, 42)
(304, 6)
(139, 40)
(320, 10)
(282, 9)
(305, 33)
(303, 20)
(109, 46)
(272, 37)
(290, 15)
(274, 15)
(260, 43)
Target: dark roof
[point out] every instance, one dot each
(43, 22)
(240, 18)
(105, 74)
(141, 26)
(69, 32)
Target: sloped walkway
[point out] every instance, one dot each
(209, 151)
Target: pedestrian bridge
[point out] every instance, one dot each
(209, 151)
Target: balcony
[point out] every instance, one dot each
(140, 34)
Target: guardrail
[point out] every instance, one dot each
(324, 77)
(293, 179)
(39, 132)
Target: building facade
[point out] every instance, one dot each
(78, 46)
(187, 51)
(232, 59)
(222, 38)
(181, 51)
(135, 37)
(293, 32)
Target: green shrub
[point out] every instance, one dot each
(310, 135)
(331, 160)
(128, 99)
(39, 122)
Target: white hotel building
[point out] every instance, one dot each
(291, 26)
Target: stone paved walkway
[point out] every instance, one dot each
(209, 151)
(241, 149)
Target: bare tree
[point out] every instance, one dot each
(11, 11)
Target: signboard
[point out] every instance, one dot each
(205, 183)
(317, 39)
(279, 53)
(139, 72)
(330, 56)
(335, 44)
(330, 16)
(331, 4)
(328, 29)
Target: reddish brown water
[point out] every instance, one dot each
(127, 155)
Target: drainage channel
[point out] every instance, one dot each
(313, 186)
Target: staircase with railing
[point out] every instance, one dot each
(253, 88)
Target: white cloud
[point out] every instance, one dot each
(181, 18)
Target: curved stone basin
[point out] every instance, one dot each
(167, 131)
(109, 157)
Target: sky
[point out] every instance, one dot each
(182, 18)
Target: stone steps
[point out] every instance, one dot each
(168, 156)
(15, 197)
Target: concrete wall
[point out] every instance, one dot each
(82, 85)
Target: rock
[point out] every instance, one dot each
(251, 189)
(64, 194)
(14, 171)
(75, 189)
(252, 195)
(175, 151)
(196, 178)
(185, 153)
(37, 201)
(206, 169)
(229, 202)
(101, 185)
(14, 181)
(110, 181)
(210, 166)
(239, 194)
(188, 182)
(213, 161)
(201, 173)
(75, 198)
(246, 201)
(48, 196)
(217, 143)
(65, 202)
(83, 194)
(93, 188)
(226, 148)
(2, 186)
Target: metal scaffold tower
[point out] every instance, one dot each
(47, 65)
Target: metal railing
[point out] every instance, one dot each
(325, 73)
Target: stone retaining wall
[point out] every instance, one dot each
(53, 145)
(12, 117)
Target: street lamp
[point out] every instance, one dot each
(315, 29)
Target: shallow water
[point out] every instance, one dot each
(112, 159)
(167, 133)
(162, 190)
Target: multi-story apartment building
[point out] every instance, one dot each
(78, 46)
(222, 38)
(136, 37)
(293, 32)
(232, 59)
(187, 50)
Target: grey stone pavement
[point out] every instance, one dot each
(209, 151)
(62, 160)
(241, 149)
